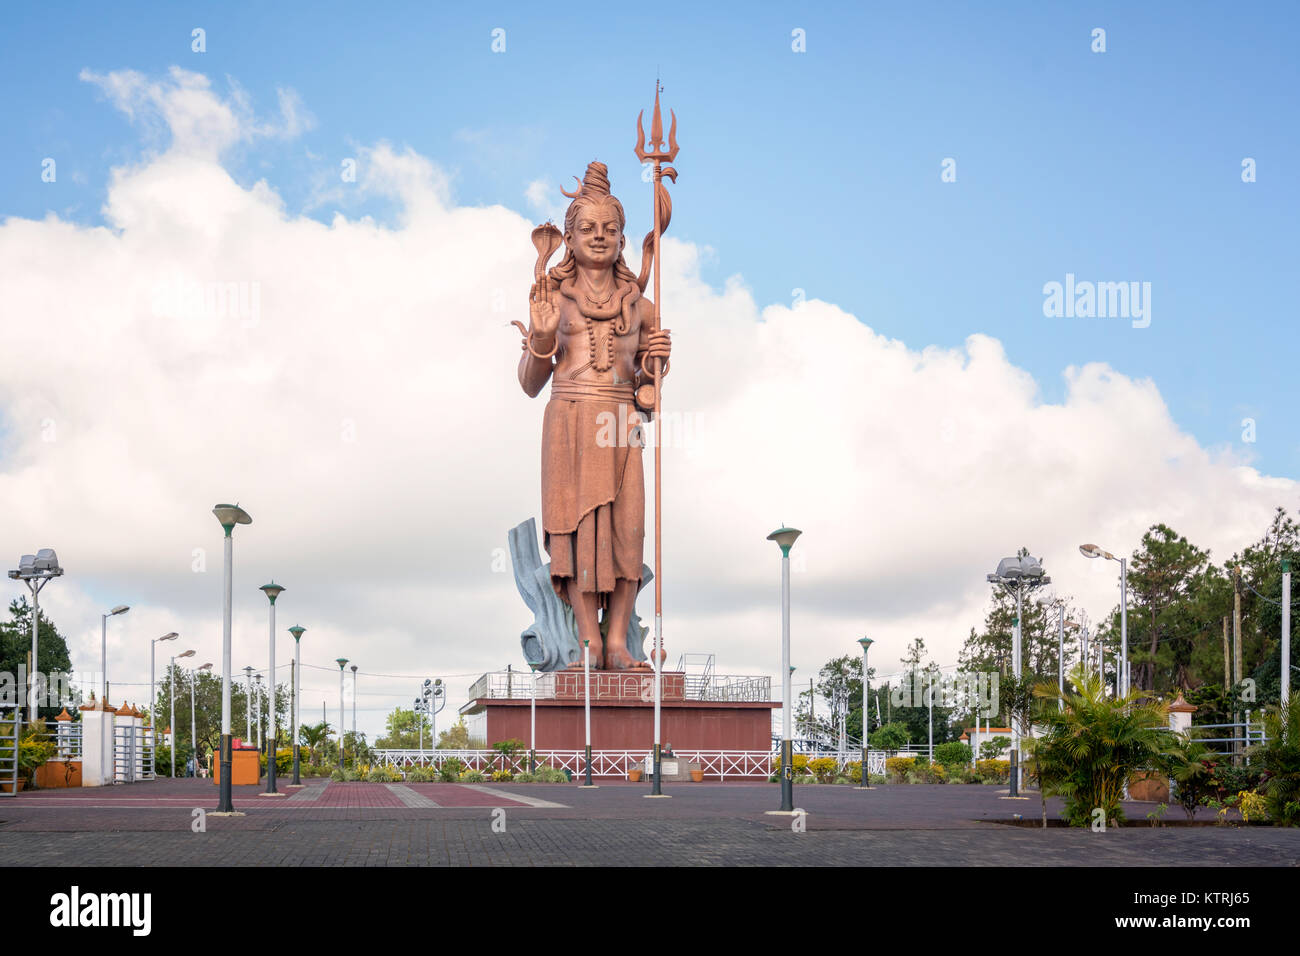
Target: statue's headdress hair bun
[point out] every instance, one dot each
(595, 185)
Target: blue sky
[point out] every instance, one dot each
(817, 170)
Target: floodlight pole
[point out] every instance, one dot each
(229, 516)
(785, 539)
(272, 591)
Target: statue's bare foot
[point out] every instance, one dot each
(618, 659)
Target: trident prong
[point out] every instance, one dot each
(657, 152)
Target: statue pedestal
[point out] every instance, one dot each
(622, 716)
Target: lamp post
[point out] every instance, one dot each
(228, 516)
(272, 591)
(35, 570)
(1286, 630)
(1122, 675)
(354, 711)
(532, 722)
(153, 688)
(866, 643)
(297, 633)
(586, 705)
(785, 539)
(248, 703)
(1016, 575)
(257, 711)
(194, 732)
(342, 662)
(171, 692)
(103, 643)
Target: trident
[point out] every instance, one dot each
(663, 210)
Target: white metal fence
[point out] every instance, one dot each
(716, 764)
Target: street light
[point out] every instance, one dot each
(272, 591)
(297, 632)
(248, 702)
(35, 570)
(866, 643)
(342, 662)
(354, 711)
(1016, 575)
(194, 731)
(103, 643)
(532, 736)
(586, 705)
(257, 711)
(153, 688)
(1092, 551)
(171, 687)
(228, 516)
(785, 539)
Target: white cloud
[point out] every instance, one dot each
(369, 418)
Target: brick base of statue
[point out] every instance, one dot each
(622, 715)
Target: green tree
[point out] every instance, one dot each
(16, 644)
(455, 737)
(315, 737)
(405, 729)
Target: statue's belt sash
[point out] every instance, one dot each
(591, 392)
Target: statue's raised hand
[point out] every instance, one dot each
(543, 310)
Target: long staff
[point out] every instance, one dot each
(658, 154)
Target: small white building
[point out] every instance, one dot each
(979, 735)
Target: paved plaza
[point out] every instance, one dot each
(375, 824)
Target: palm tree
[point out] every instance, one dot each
(1280, 758)
(312, 736)
(1095, 743)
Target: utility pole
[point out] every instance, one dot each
(1236, 652)
(1227, 661)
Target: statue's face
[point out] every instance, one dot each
(597, 239)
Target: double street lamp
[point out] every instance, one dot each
(171, 687)
(1018, 575)
(1122, 678)
(194, 730)
(153, 687)
(228, 516)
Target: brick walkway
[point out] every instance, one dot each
(149, 824)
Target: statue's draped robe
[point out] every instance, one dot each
(593, 486)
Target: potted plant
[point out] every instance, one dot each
(635, 774)
(697, 776)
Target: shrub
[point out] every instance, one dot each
(524, 777)
(842, 780)
(422, 775)
(1253, 805)
(472, 776)
(502, 776)
(899, 767)
(338, 775)
(1194, 769)
(283, 760)
(451, 770)
(994, 771)
(823, 768)
(889, 737)
(854, 768)
(953, 753)
(805, 779)
(800, 765)
(550, 775)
